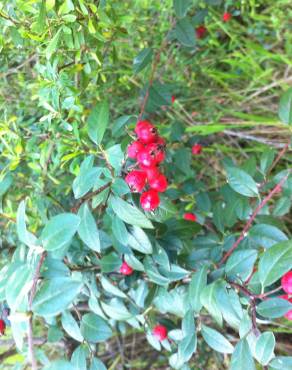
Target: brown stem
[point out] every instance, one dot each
(33, 360)
(89, 196)
(253, 216)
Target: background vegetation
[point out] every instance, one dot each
(58, 59)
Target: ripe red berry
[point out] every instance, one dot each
(125, 269)
(200, 32)
(226, 17)
(156, 150)
(160, 141)
(149, 200)
(134, 149)
(146, 132)
(173, 99)
(160, 332)
(286, 282)
(152, 172)
(158, 183)
(146, 158)
(288, 314)
(2, 327)
(136, 180)
(190, 217)
(197, 149)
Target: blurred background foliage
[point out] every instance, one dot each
(58, 58)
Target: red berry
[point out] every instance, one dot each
(149, 200)
(134, 149)
(146, 132)
(2, 327)
(286, 282)
(160, 141)
(146, 158)
(136, 180)
(152, 172)
(197, 149)
(158, 183)
(160, 332)
(156, 150)
(226, 17)
(288, 314)
(190, 217)
(173, 99)
(200, 32)
(125, 269)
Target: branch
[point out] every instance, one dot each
(253, 216)
(30, 340)
(88, 196)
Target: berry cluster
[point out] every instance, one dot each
(149, 152)
(286, 283)
(201, 30)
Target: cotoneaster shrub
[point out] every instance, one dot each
(108, 228)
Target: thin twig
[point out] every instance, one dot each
(253, 216)
(89, 196)
(33, 360)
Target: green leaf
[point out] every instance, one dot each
(55, 296)
(264, 350)
(59, 231)
(197, 284)
(87, 229)
(241, 182)
(53, 44)
(59, 365)
(97, 364)
(5, 183)
(138, 240)
(266, 235)
(97, 122)
(274, 307)
(78, 358)
(142, 60)
(129, 213)
(181, 7)
(275, 262)
(216, 340)
(185, 33)
(186, 347)
(110, 288)
(116, 310)
(66, 7)
(85, 181)
(241, 358)
(115, 156)
(94, 328)
(281, 363)
(240, 263)
(17, 287)
(208, 299)
(110, 262)
(285, 107)
(159, 96)
(71, 327)
(23, 234)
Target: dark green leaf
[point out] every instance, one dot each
(87, 229)
(285, 107)
(216, 340)
(275, 262)
(185, 33)
(98, 121)
(240, 263)
(241, 182)
(181, 7)
(274, 307)
(94, 328)
(59, 231)
(266, 235)
(197, 284)
(129, 213)
(55, 296)
(142, 60)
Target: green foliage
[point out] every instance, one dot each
(76, 77)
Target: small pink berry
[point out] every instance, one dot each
(160, 332)
(190, 217)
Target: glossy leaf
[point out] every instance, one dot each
(241, 182)
(98, 121)
(87, 229)
(216, 340)
(94, 328)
